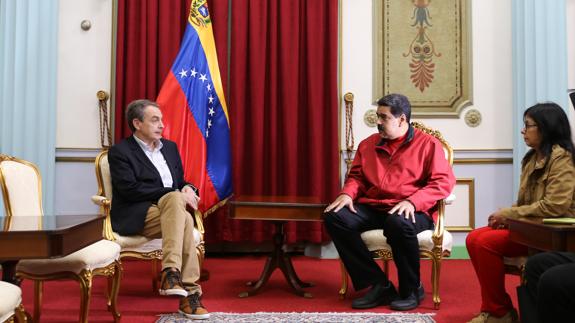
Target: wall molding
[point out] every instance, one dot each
(77, 155)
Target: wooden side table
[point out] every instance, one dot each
(279, 210)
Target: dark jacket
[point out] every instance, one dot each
(136, 183)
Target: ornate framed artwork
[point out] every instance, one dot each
(422, 50)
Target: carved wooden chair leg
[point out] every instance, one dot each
(344, 280)
(385, 266)
(116, 278)
(20, 314)
(85, 279)
(155, 276)
(38, 288)
(435, 271)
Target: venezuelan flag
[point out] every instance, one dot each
(195, 112)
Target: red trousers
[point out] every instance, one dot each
(486, 248)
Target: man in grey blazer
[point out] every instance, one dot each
(151, 199)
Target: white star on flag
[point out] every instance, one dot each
(183, 73)
(209, 87)
(203, 77)
(209, 123)
(212, 112)
(194, 72)
(211, 98)
(207, 133)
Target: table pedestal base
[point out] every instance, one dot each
(278, 259)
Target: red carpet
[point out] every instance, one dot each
(459, 291)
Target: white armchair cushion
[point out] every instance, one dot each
(142, 244)
(10, 299)
(23, 182)
(138, 243)
(375, 240)
(97, 255)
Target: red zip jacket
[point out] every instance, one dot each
(417, 171)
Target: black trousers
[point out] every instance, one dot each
(550, 282)
(345, 228)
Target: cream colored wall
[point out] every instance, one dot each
(570, 12)
(84, 60)
(492, 78)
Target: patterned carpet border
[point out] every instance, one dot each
(304, 317)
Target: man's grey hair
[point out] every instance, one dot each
(135, 110)
(398, 104)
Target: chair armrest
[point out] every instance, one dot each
(450, 199)
(437, 236)
(105, 204)
(199, 222)
(101, 200)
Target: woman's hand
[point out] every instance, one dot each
(497, 221)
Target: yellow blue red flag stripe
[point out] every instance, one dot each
(195, 112)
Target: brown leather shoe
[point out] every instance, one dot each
(192, 307)
(172, 283)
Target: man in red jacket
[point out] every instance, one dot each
(396, 179)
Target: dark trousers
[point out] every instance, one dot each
(345, 228)
(550, 282)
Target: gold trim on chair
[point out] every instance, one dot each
(40, 270)
(5, 193)
(102, 199)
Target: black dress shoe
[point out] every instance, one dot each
(379, 294)
(406, 304)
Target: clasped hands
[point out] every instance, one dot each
(404, 208)
(497, 221)
(192, 199)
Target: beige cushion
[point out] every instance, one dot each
(138, 243)
(96, 255)
(23, 183)
(10, 298)
(375, 240)
(144, 245)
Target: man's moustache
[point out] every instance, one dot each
(380, 127)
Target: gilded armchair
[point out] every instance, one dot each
(433, 244)
(22, 191)
(11, 309)
(136, 246)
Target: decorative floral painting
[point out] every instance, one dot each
(422, 50)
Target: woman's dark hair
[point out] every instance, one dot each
(553, 126)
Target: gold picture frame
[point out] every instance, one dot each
(422, 49)
(463, 205)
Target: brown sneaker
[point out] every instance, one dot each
(192, 307)
(481, 318)
(510, 317)
(172, 283)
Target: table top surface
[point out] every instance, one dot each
(48, 236)
(538, 223)
(43, 223)
(277, 208)
(279, 201)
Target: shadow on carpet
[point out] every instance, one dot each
(303, 317)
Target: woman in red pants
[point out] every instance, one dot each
(547, 189)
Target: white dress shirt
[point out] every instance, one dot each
(156, 157)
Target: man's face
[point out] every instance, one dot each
(389, 126)
(150, 129)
